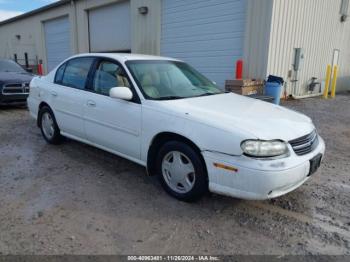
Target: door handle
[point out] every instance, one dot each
(91, 103)
(53, 93)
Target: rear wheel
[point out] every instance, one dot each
(48, 126)
(181, 171)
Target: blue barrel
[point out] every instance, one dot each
(274, 89)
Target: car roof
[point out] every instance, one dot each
(123, 57)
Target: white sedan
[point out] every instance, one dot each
(164, 115)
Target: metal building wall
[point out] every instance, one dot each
(145, 29)
(257, 38)
(32, 34)
(208, 34)
(315, 26)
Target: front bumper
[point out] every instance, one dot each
(9, 99)
(255, 179)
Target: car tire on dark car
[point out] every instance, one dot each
(181, 171)
(49, 127)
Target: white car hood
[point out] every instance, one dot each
(232, 112)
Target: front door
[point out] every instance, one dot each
(112, 123)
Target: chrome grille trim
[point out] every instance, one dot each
(306, 144)
(15, 89)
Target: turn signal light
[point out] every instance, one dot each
(229, 168)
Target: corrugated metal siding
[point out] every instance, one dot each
(257, 38)
(209, 35)
(315, 26)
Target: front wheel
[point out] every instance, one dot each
(181, 171)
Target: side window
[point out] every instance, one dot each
(107, 76)
(59, 74)
(76, 72)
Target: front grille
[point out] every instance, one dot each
(15, 89)
(306, 144)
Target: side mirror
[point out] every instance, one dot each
(121, 93)
(29, 70)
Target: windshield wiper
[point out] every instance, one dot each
(170, 97)
(208, 94)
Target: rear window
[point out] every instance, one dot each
(59, 74)
(76, 72)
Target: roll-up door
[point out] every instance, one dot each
(209, 35)
(109, 28)
(57, 41)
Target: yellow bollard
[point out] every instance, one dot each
(328, 81)
(334, 83)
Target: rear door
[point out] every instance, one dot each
(68, 95)
(112, 123)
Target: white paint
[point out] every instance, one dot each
(216, 124)
(121, 93)
(336, 54)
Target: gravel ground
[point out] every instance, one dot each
(75, 199)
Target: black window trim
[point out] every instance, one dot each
(56, 81)
(65, 67)
(98, 61)
(89, 81)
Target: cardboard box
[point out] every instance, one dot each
(245, 86)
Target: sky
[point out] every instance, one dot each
(11, 8)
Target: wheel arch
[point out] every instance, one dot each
(162, 138)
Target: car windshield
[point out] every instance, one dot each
(166, 80)
(10, 66)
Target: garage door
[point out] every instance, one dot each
(109, 28)
(57, 40)
(207, 34)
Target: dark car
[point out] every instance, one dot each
(14, 82)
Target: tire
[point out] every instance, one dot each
(51, 135)
(181, 171)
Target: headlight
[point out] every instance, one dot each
(258, 148)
